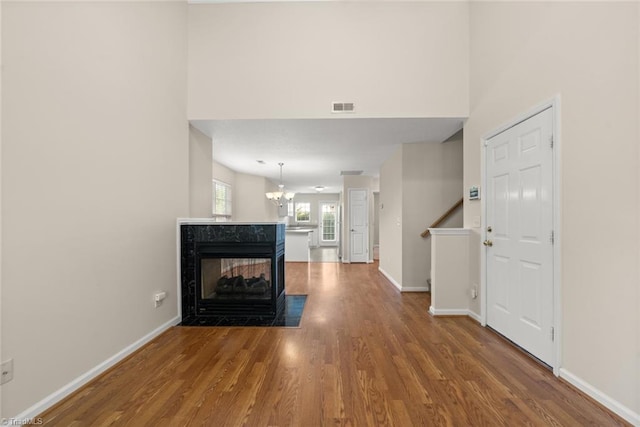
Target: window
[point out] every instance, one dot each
(221, 201)
(303, 212)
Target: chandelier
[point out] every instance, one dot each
(280, 196)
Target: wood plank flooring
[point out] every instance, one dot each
(364, 355)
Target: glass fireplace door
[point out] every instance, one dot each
(235, 279)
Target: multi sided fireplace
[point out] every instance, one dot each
(231, 269)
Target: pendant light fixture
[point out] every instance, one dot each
(280, 196)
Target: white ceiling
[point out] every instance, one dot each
(314, 151)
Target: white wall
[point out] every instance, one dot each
(431, 185)
(248, 193)
(587, 52)
(376, 218)
(1, 78)
(200, 172)
(418, 184)
(638, 291)
(291, 60)
(222, 173)
(249, 201)
(94, 171)
(449, 274)
(390, 226)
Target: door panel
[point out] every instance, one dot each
(358, 225)
(519, 168)
(531, 301)
(500, 194)
(530, 214)
(501, 284)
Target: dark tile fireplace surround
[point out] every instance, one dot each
(231, 270)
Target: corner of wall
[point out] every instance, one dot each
(637, 409)
(1, 322)
(200, 172)
(390, 216)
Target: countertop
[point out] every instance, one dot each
(300, 230)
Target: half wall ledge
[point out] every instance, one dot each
(449, 271)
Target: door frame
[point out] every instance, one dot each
(554, 104)
(368, 226)
(337, 241)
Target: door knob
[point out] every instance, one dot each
(353, 230)
(487, 243)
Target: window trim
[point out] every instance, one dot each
(308, 211)
(228, 201)
(321, 222)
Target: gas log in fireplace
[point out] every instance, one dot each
(231, 269)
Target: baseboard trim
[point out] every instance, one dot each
(449, 311)
(390, 279)
(415, 289)
(475, 316)
(601, 397)
(83, 379)
(399, 286)
(455, 312)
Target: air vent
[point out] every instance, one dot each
(343, 107)
(343, 173)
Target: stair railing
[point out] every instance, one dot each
(437, 222)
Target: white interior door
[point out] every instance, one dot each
(358, 225)
(519, 242)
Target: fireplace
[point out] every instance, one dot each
(231, 269)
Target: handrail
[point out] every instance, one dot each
(440, 220)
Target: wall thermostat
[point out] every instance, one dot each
(474, 193)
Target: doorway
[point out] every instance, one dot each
(328, 224)
(519, 234)
(358, 225)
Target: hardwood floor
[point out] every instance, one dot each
(364, 355)
(324, 254)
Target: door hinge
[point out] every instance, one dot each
(551, 141)
(552, 238)
(553, 334)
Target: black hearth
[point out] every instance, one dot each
(231, 270)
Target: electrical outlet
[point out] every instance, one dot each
(158, 297)
(474, 292)
(7, 371)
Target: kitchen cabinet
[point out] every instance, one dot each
(313, 238)
(296, 247)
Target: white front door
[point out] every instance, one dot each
(328, 223)
(519, 242)
(358, 225)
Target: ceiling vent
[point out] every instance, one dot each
(343, 173)
(343, 107)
